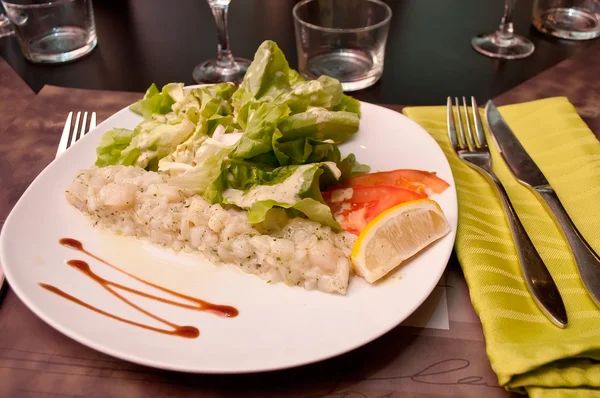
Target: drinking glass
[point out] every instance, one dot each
(225, 68)
(6, 28)
(53, 31)
(344, 39)
(503, 43)
(568, 19)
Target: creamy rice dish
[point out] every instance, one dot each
(130, 201)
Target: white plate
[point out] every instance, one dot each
(278, 326)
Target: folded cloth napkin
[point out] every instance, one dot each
(525, 350)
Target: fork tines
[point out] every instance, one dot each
(465, 140)
(77, 132)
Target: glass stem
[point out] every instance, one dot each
(224, 57)
(505, 32)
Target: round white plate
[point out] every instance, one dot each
(277, 327)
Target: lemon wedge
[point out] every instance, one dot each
(395, 235)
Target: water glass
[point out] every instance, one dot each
(53, 31)
(6, 28)
(568, 19)
(344, 39)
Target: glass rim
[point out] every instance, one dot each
(385, 21)
(36, 5)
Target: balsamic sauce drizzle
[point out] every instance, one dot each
(111, 286)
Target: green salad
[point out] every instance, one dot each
(268, 146)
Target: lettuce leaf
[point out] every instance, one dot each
(143, 147)
(320, 124)
(214, 100)
(311, 208)
(208, 162)
(351, 168)
(112, 143)
(269, 73)
(348, 104)
(270, 79)
(186, 151)
(154, 140)
(208, 108)
(291, 152)
(259, 189)
(324, 92)
(260, 127)
(155, 102)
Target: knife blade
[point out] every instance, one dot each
(528, 173)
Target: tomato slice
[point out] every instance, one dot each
(355, 207)
(420, 181)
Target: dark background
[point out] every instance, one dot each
(428, 54)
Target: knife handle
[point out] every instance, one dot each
(588, 262)
(537, 277)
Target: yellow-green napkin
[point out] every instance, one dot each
(525, 350)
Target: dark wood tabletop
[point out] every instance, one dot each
(428, 55)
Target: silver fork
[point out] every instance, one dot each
(74, 134)
(77, 132)
(471, 147)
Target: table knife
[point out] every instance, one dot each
(527, 173)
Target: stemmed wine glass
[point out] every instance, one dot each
(503, 43)
(225, 68)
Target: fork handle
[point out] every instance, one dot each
(586, 259)
(537, 277)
